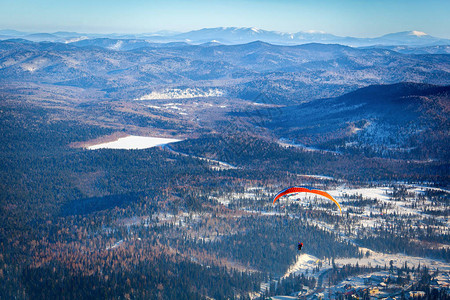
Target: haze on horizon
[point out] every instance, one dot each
(344, 18)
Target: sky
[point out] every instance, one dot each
(358, 18)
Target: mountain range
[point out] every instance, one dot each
(130, 69)
(399, 120)
(311, 82)
(241, 35)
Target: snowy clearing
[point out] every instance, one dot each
(134, 142)
(398, 259)
(188, 93)
(320, 177)
(303, 263)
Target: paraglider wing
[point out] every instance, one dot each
(300, 189)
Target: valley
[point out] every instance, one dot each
(149, 172)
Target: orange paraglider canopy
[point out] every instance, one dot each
(304, 189)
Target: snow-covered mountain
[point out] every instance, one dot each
(239, 35)
(408, 38)
(233, 35)
(242, 35)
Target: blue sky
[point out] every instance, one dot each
(361, 18)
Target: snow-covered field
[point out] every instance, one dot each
(382, 194)
(134, 142)
(379, 193)
(398, 259)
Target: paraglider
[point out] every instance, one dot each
(304, 189)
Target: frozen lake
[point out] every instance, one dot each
(134, 142)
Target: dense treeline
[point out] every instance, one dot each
(160, 278)
(269, 243)
(31, 129)
(244, 149)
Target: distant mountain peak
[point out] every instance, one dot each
(315, 31)
(246, 29)
(408, 34)
(418, 33)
